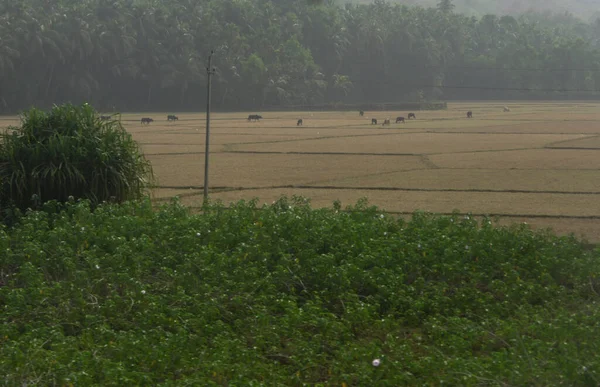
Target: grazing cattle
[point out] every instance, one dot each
(254, 117)
(469, 114)
(104, 118)
(172, 117)
(412, 115)
(373, 121)
(147, 120)
(506, 109)
(400, 119)
(361, 113)
(386, 122)
(299, 122)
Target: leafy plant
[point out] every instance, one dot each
(288, 295)
(69, 152)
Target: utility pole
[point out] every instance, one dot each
(209, 71)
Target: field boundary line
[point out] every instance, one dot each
(519, 169)
(285, 153)
(423, 156)
(520, 133)
(483, 151)
(572, 148)
(323, 138)
(550, 145)
(358, 188)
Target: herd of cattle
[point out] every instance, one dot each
(144, 120)
(300, 122)
(411, 116)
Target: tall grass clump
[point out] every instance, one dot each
(69, 151)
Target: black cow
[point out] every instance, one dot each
(172, 117)
(412, 115)
(361, 113)
(469, 114)
(299, 122)
(254, 117)
(373, 121)
(400, 119)
(104, 118)
(147, 120)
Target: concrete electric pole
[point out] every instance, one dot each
(209, 71)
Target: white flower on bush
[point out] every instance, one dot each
(143, 292)
(376, 362)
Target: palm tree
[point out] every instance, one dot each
(446, 6)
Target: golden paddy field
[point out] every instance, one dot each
(539, 163)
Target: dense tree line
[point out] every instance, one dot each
(151, 54)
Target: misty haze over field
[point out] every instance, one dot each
(585, 9)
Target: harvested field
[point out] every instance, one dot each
(536, 159)
(581, 127)
(427, 143)
(538, 163)
(552, 180)
(591, 142)
(266, 170)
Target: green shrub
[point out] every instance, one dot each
(69, 151)
(285, 295)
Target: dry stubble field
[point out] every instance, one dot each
(539, 163)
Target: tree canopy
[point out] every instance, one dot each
(150, 55)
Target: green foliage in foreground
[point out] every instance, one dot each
(68, 151)
(288, 295)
